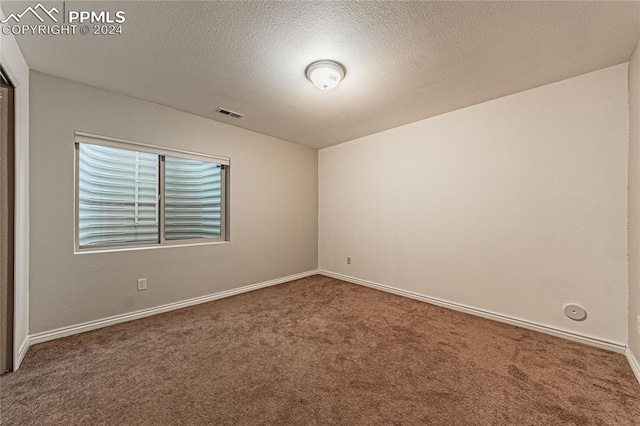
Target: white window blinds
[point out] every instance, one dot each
(193, 199)
(118, 196)
(126, 196)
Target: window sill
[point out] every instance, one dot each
(145, 247)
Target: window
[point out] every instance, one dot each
(130, 194)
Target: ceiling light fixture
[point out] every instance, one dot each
(325, 74)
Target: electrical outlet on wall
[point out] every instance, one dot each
(348, 260)
(638, 324)
(142, 284)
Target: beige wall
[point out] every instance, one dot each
(14, 64)
(516, 206)
(634, 201)
(273, 209)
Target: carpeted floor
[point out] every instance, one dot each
(318, 351)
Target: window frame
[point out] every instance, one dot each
(161, 152)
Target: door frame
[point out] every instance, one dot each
(17, 71)
(7, 230)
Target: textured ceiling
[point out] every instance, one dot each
(405, 60)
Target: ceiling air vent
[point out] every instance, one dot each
(229, 113)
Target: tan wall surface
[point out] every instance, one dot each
(516, 206)
(273, 200)
(634, 201)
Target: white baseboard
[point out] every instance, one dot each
(600, 343)
(22, 351)
(116, 319)
(634, 363)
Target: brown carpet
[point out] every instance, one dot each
(318, 351)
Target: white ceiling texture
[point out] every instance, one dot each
(405, 61)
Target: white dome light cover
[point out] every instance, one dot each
(325, 74)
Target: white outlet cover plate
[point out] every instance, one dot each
(575, 312)
(142, 284)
